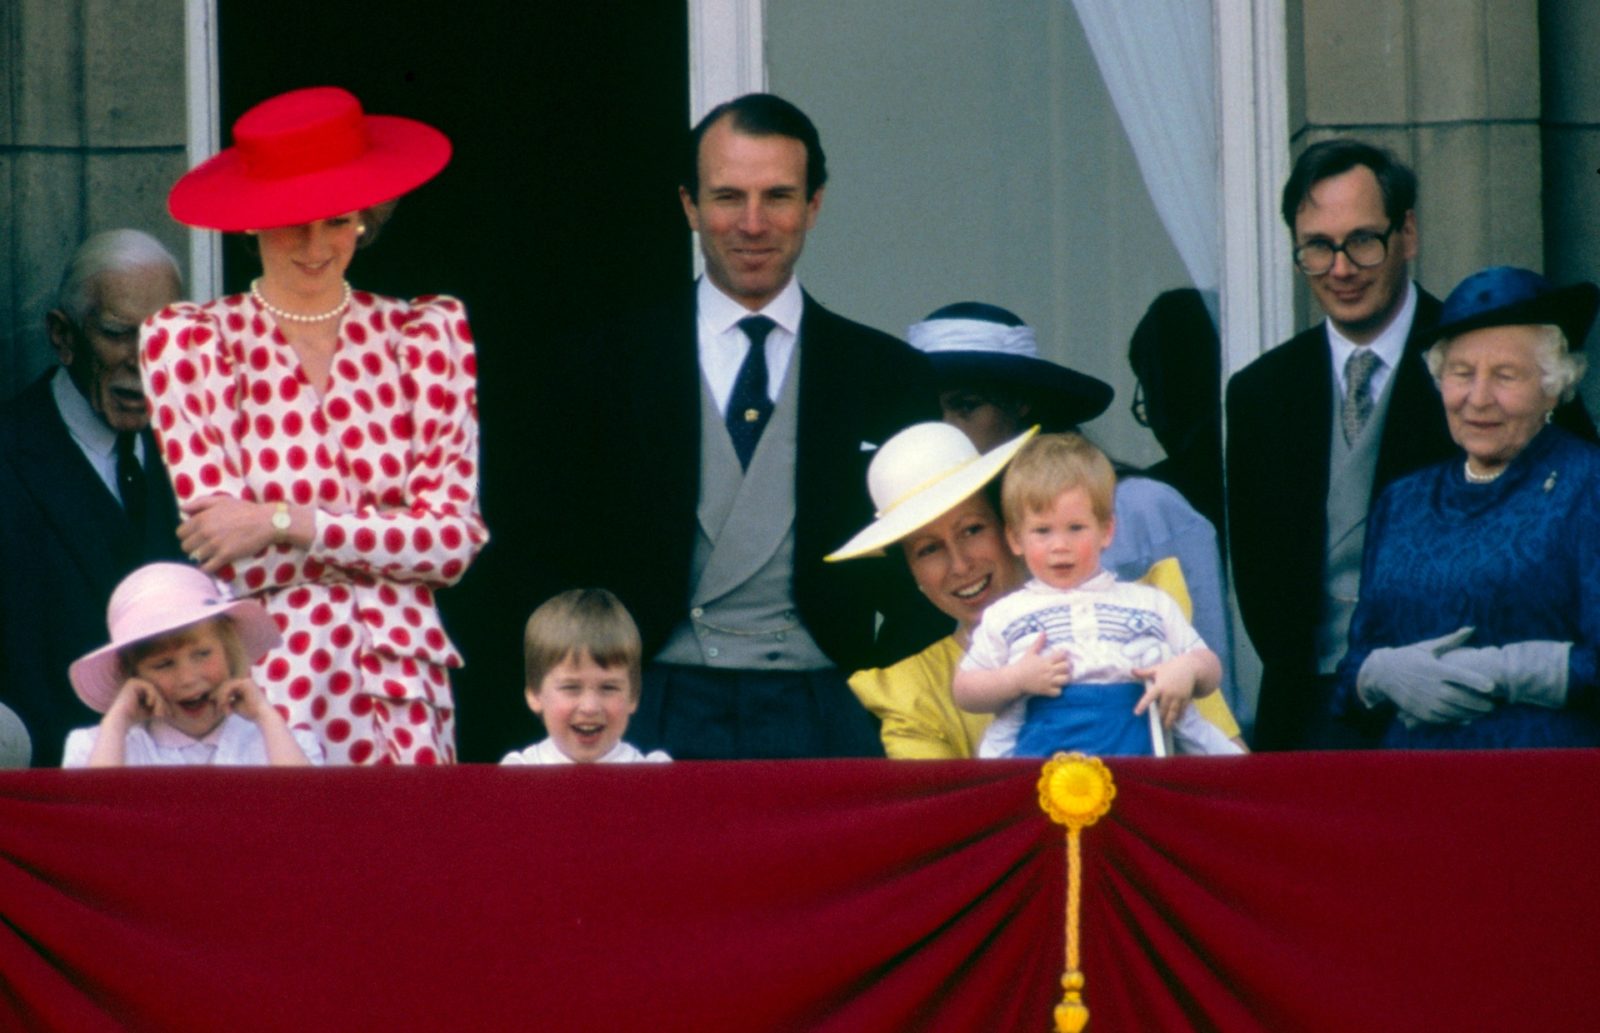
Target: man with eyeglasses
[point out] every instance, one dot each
(1318, 426)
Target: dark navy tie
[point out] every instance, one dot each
(749, 406)
(130, 479)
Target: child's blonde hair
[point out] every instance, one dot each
(1051, 464)
(238, 664)
(582, 621)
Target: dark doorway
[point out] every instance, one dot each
(559, 205)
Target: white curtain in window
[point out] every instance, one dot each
(1156, 59)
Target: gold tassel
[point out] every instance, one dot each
(1075, 790)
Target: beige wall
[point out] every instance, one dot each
(1453, 88)
(1495, 103)
(91, 137)
(975, 156)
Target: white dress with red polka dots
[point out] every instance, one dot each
(387, 455)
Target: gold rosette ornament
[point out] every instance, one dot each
(1075, 790)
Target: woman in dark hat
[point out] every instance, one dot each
(993, 385)
(322, 440)
(1479, 619)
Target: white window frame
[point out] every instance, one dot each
(204, 128)
(727, 58)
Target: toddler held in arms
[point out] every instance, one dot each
(1074, 658)
(582, 654)
(174, 682)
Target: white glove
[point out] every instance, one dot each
(1424, 683)
(1523, 672)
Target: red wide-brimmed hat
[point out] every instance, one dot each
(305, 155)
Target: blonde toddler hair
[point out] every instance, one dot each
(1051, 464)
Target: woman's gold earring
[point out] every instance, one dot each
(361, 229)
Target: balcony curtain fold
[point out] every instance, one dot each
(1266, 893)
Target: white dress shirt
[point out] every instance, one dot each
(545, 751)
(97, 441)
(723, 345)
(1388, 346)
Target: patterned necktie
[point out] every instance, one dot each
(130, 479)
(749, 406)
(1357, 409)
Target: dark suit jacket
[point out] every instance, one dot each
(621, 444)
(1280, 425)
(64, 545)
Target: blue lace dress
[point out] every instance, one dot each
(1517, 559)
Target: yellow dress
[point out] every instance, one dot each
(921, 722)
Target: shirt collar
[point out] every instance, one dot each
(1102, 580)
(83, 423)
(721, 313)
(168, 737)
(1390, 345)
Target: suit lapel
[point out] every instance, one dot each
(70, 497)
(1415, 433)
(829, 401)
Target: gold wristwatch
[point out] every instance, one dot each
(280, 522)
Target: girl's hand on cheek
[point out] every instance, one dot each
(137, 701)
(243, 697)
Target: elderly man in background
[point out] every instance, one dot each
(84, 498)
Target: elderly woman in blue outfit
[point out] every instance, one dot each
(1479, 619)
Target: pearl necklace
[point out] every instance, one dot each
(1480, 478)
(295, 317)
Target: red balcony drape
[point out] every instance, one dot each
(1272, 893)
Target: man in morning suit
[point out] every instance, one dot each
(84, 497)
(715, 450)
(1318, 426)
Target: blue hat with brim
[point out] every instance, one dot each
(1504, 295)
(973, 344)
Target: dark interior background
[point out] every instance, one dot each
(559, 205)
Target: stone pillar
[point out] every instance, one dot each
(1453, 88)
(91, 137)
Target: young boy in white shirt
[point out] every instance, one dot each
(582, 656)
(1074, 658)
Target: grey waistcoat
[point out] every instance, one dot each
(1351, 469)
(742, 613)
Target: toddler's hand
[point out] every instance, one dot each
(137, 701)
(1040, 673)
(1169, 685)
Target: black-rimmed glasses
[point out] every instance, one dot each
(1363, 248)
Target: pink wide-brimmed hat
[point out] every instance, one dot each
(153, 600)
(305, 155)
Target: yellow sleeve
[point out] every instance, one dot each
(911, 699)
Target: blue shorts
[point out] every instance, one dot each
(1094, 719)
